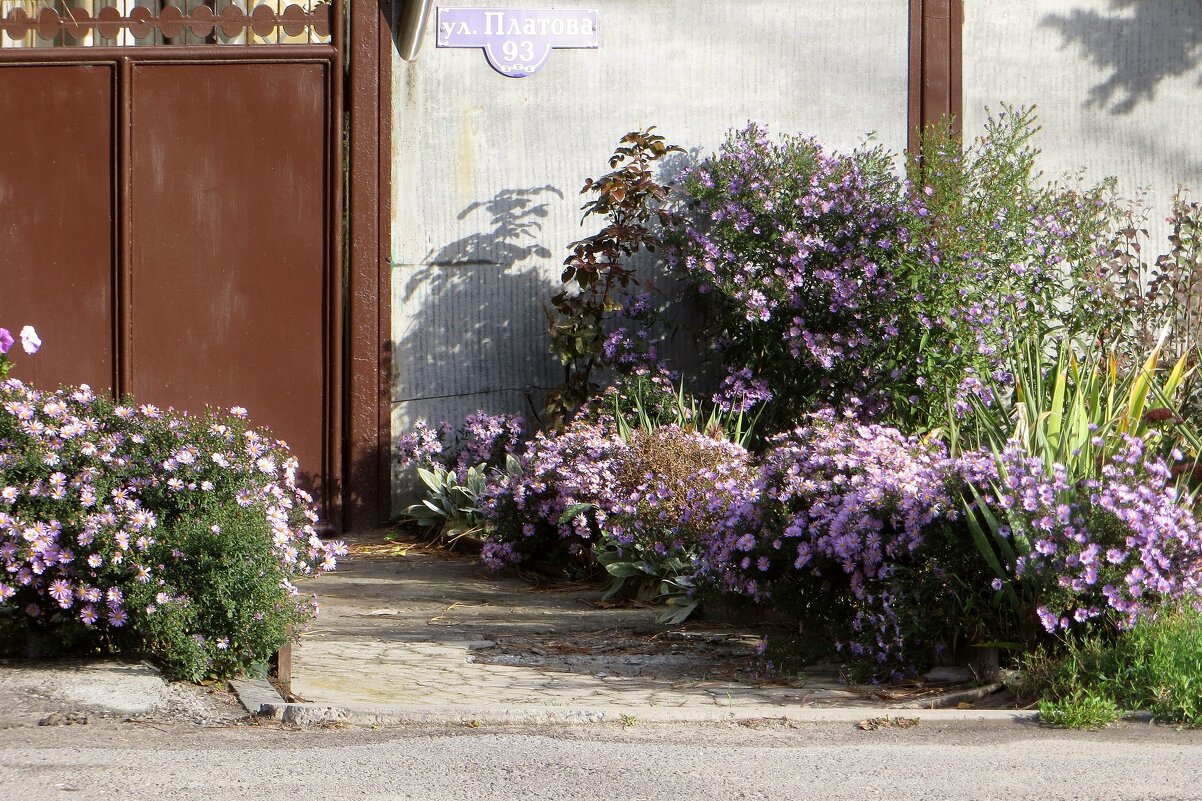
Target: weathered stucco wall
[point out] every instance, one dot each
(487, 169)
(1116, 85)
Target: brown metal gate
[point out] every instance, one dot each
(170, 207)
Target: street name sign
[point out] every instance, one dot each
(517, 41)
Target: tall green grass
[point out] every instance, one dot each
(1156, 666)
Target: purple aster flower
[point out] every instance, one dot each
(60, 591)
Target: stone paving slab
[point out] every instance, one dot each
(432, 635)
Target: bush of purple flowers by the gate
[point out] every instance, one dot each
(547, 510)
(146, 531)
(456, 469)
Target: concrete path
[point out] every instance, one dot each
(67, 692)
(420, 636)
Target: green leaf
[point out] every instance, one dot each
(573, 511)
(985, 549)
(982, 542)
(624, 569)
(677, 611)
(432, 479)
(258, 670)
(613, 588)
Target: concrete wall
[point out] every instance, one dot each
(1116, 85)
(487, 169)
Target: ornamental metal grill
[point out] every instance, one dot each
(122, 23)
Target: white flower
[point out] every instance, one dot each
(30, 341)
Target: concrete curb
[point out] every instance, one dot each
(448, 715)
(951, 699)
(254, 694)
(261, 699)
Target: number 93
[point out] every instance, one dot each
(511, 50)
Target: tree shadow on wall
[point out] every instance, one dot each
(1139, 43)
(474, 324)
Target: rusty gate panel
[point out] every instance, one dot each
(228, 300)
(171, 208)
(56, 219)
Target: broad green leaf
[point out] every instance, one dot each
(987, 552)
(677, 613)
(1138, 395)
(431, 479)
(574, 511)
(623, 569)
(613, 588)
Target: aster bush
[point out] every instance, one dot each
(1089, 520)
(146, 531)
(1003, 255)
(634, 484)
(675, 489)
(546, 508)
(456, 471)
(848, 509)
(1110, 547)
(1084, 469)
(833, 281)
(795, 252)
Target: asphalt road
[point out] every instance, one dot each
(764, 760)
